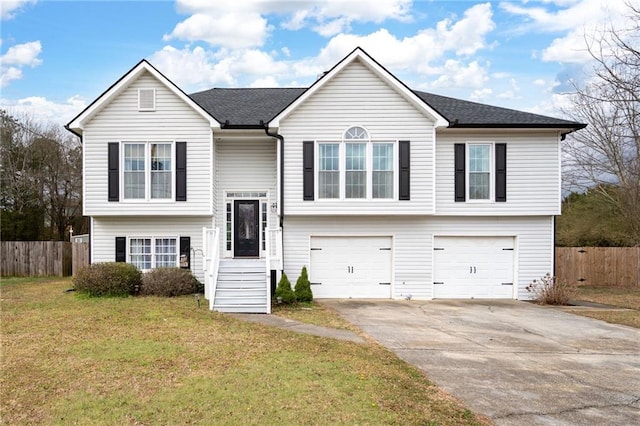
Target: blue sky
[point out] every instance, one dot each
(57, 56)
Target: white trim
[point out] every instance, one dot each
(79, 122)
(390, 79)
(229, 254)
(342, 169)
(492, 175)
(153, 248)
(147, 172)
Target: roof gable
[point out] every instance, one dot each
(376, 68)
(76, 125)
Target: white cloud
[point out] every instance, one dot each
(9, 8)
(25, 54)
(9, 74)
(43, 110)
(231, 29)
(244, 24)
(197, 68)
(331, 17)
(582, 22)
(456, 74)
(268, 81)
(481, 95)
(17, 57)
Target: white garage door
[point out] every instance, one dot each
(357, 267)
(473, 267)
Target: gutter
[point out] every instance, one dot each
(281, 139)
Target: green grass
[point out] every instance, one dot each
(622, 297)
(313, 313)
(147, 360)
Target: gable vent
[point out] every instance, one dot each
(146, 99)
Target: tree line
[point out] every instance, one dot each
(41, 180)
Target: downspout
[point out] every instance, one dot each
(281, 177)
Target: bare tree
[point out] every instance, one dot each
(606, 156)
(41, 180)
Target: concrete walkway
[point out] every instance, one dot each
(515, 362)
(299, 327)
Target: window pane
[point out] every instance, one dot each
(356, 174)
(356, 132)
(479, 171)
(329, 174)
(134, 179)
(382, 177)
(166, 253)
(161, 168)
(140, 253)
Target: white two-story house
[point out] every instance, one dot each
(380, 190)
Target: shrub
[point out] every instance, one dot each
(303, 287)
(112, 279)
(284, 291)
(169, 282)
(550, 290)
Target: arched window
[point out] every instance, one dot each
(356, 132)
(355, 177)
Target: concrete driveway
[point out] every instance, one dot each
(517, 363)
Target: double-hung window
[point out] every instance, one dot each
(356, 168)
(148, 170)
(479, 171)
(148, 253)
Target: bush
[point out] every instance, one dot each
(113, 279)
(551, 291)
(303, 287)
(169, 282)
(284, 291)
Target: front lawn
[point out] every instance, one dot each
(623, 297)
(68, 359)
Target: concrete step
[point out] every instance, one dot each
(257, 309)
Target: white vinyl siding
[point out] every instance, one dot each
(533, 178)
(245, 166)
(357, 95)
(172, 120)
(156, 229)
(413, 244)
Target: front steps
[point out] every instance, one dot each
(242, 286)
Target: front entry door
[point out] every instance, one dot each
(246, 232)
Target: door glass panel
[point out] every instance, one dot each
(246, 221)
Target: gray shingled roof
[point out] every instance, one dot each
(247, 107)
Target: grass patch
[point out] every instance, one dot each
(313, 313)
(622, 297)
(149, 360)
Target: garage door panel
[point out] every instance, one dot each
(358, 267)
(473, 267)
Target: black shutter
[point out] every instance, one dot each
(501, 172)
(113, 162)
(181, 171)
(459, 164)
(121, 249)
(185, 252)
(404, 167)
(307, 171)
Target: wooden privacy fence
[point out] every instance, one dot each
(602, 266)
(42, 258)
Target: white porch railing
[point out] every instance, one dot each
(273, 241)
(211, 262)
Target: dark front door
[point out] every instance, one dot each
(246, 232)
